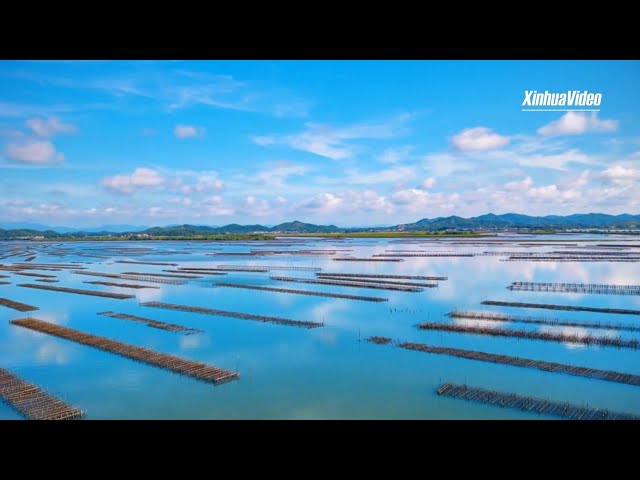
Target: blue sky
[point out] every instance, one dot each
(344, 142)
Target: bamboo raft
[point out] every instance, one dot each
(533, 335)
(573, 259)
(271, 267)
(606, 375)
(119, 296)
(243, 316)
(147, 263)
(347, 259)
(197, 272)
(231, 268)
(597, 253)
(47, 280)
(302, 292)
(140, 278)
(21, 307)
(199, 370)
(617, 245)
(499, 317)
(37, 275)
(379, 340)
(372, 280)
(345, 283)
(197, 269)
(122, 285)
(32, 402)
(170, 327)
(576, 288)
(621, 311)
(47, 266)
(530, 404)
(5, 283)
(394, 255)
(160, 275)
(366, 275)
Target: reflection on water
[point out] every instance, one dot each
(327, 372)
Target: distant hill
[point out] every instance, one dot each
(489, 221)
(289, 227)
(42, 228)
(300, 227)
(514, 220)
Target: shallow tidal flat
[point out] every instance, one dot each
(94, 321)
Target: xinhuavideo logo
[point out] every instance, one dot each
(572, 100)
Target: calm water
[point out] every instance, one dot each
(294, 373)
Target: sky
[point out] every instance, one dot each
(350, 143)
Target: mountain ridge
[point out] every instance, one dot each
(489, 221)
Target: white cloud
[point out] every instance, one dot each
(416, 200)
(578, 123)
(186, 201)
(258, 207)
(332, 142)
(206, 182)
(478, 139)
(398, 174)
(350, 201)
(188, 131)
(215, 206)
(619, 175)
(278, 172)
(49, 127)
(129, 183)
(524, 184)
(446, 164)
(395, 155)
(33, 151)
(558, 161)
(428, 182)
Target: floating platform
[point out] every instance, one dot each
(139, 278)
(121, 285)
(147, 263)
(620, 311)
(302, 292)
(576, 288)
(533, 335)
(379, 340)
(171, 327)
(595, 373)
(198, 370)
(119, 296)
(21, 307)
(161, 275)
(267, 268)
(572, 259)
(32, 402)
(373, 280)
(369, 275)
(540, 406)
(346, 259)
(231, 268)
(554, 322)
(197, 272)
(37, 275)
(393, 255)
(348, 283)
(243, 316)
